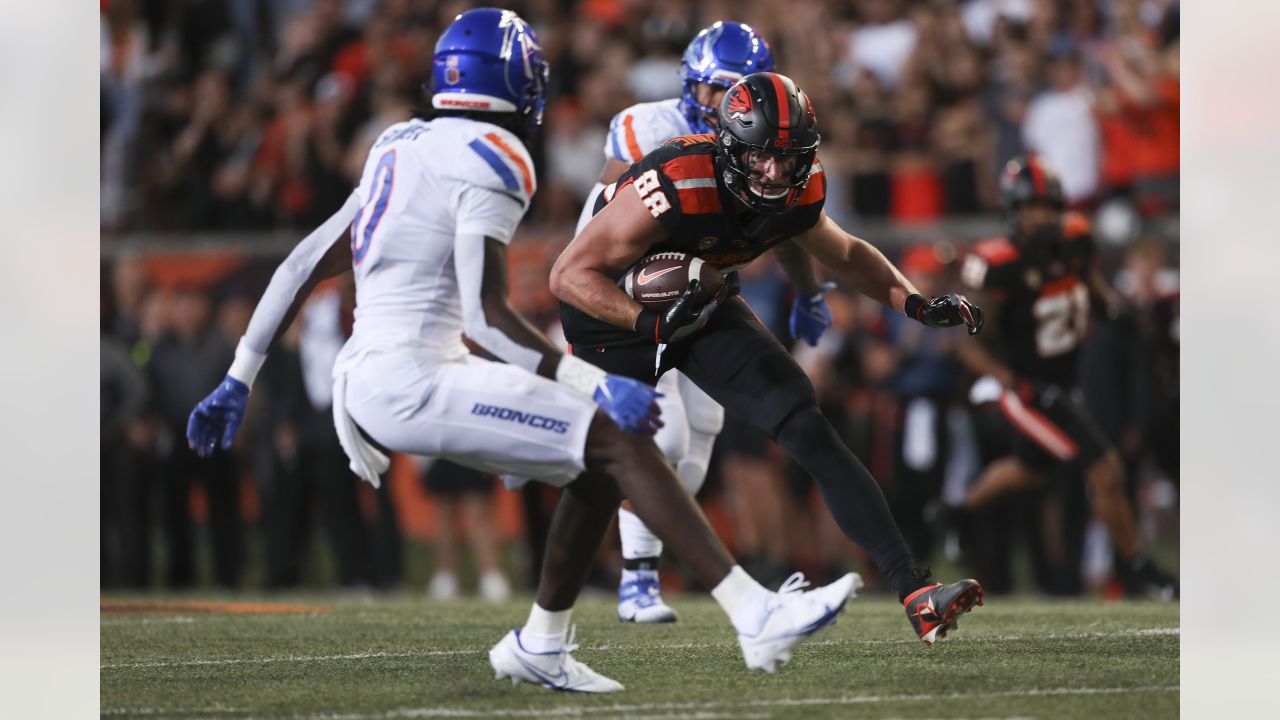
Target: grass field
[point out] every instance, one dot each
(410, 658)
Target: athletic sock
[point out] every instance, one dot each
(638, 541)
(742, 599)
(909, 579)
(545, 631)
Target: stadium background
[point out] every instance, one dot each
(229, 129)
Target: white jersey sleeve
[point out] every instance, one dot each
(288, 279)
(496, 160)
(491, 185)
(641, 128)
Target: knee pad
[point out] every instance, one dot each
(692, 468)
(705, 415)
(673, 437)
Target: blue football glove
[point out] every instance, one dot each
(810, 316)
(217, 417)
(631, 404)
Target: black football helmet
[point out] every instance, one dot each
(766, 112)
(1027, 180)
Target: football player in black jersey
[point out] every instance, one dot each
(755, 184)
(1038, 286)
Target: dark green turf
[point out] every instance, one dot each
(416, 659)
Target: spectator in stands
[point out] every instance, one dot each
(882, 42)
(464, 512)
(187, 357)
(1139, 111)
(1061, 127)
(124, 435)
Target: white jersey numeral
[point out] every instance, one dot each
(974, 271)
(1061, 321)
(650, 192)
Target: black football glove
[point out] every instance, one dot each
(682, 318)
(730, 287)
(945, 311)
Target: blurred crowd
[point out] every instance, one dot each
(246, 115)
(250, 114)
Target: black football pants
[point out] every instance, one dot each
(739, 363)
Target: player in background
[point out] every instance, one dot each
(715, 59)
(727, 198)
(1038, 286)
(428, 229)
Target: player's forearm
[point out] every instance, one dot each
(322, 254)
(594, 294)
(868, 270)
(504, 326)
(480, 265)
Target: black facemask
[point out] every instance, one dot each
(1043, 241)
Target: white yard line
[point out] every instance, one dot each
(198, 662)
(573, 711)
(707, 710)
(176, 620)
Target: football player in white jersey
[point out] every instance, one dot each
(715, 59)
(426, 232)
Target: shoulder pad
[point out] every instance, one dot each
(687, 140)
(640, 129)
(693, 176)
(493, 158)
(1075, 224)
(996, 251)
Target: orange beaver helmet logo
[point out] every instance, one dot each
(739, 102)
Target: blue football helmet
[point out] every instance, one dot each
(489, 60)
(720, 55)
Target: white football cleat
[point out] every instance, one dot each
(556, 670)
(640, 599)
(790, 616)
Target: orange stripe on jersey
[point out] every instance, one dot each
(996, 251)
(784, 106)
(1074, 225)
(515, 157)
(699, 200)
(632, 146)
(689, 167)
(816, 189)
(687, 140)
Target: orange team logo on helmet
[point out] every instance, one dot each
(739, 102)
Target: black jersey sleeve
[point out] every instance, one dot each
(650, 179)
(992, 265)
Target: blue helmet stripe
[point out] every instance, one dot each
(495, 162)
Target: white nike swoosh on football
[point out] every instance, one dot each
(643, 279)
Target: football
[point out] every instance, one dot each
(657, 280)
